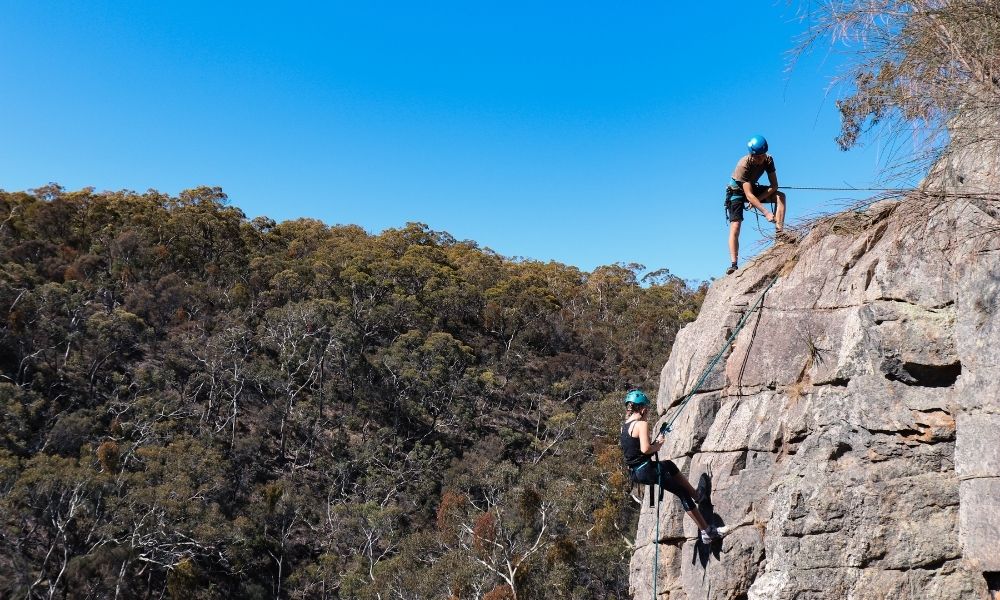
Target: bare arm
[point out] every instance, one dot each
(641, 431)
(755, 201)
(772, 178)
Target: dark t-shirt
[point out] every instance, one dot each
(748, 173)
(631, 448)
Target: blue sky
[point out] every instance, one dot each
(584, 132)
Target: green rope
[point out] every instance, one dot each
(656, 540)
(666, 428)
(668, 425)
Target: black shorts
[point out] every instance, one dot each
(646, 473)
(736, 199)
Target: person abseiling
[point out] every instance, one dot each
(744, 188)
(640, 457)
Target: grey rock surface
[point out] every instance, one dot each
(853, 429)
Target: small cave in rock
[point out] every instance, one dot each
(934, 375)
(925, 375)
(841, 449)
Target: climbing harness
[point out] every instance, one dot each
(667, 426)
(635, 480)
(734, 194)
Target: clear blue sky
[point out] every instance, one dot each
(584, 132)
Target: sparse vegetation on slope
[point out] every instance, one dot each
(196, 405)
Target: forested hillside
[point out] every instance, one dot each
(198, 405)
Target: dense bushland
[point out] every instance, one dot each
(197, 405)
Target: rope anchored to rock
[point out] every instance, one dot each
(668, 425)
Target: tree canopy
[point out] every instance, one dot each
(931, 66)
(198, 405)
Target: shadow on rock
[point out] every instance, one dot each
(703, 551)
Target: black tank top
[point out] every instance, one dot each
(631, 448)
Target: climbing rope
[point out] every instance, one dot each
(669, 424)
(758, 215)
(895, 190)
(656, 540)
(846, 189)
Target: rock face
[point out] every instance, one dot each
(853, 429)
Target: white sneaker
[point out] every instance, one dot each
(717, 533)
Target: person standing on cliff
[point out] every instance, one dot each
(639, 455)
(744, 189)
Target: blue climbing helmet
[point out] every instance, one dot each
(757, 145)
(636, 398)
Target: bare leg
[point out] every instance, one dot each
(684, 483)
(759, 206)
(698, 519)
(734, 240)
(695, 515)
(779, 217)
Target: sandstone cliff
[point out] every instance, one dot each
(853, 431)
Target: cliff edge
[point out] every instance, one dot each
(853, 429)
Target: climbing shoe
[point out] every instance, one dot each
(783, 236)
(706, 537)
(636, 493)
(712, 534)
(732, 269)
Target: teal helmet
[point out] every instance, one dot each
(757, 145)
(636, 398)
